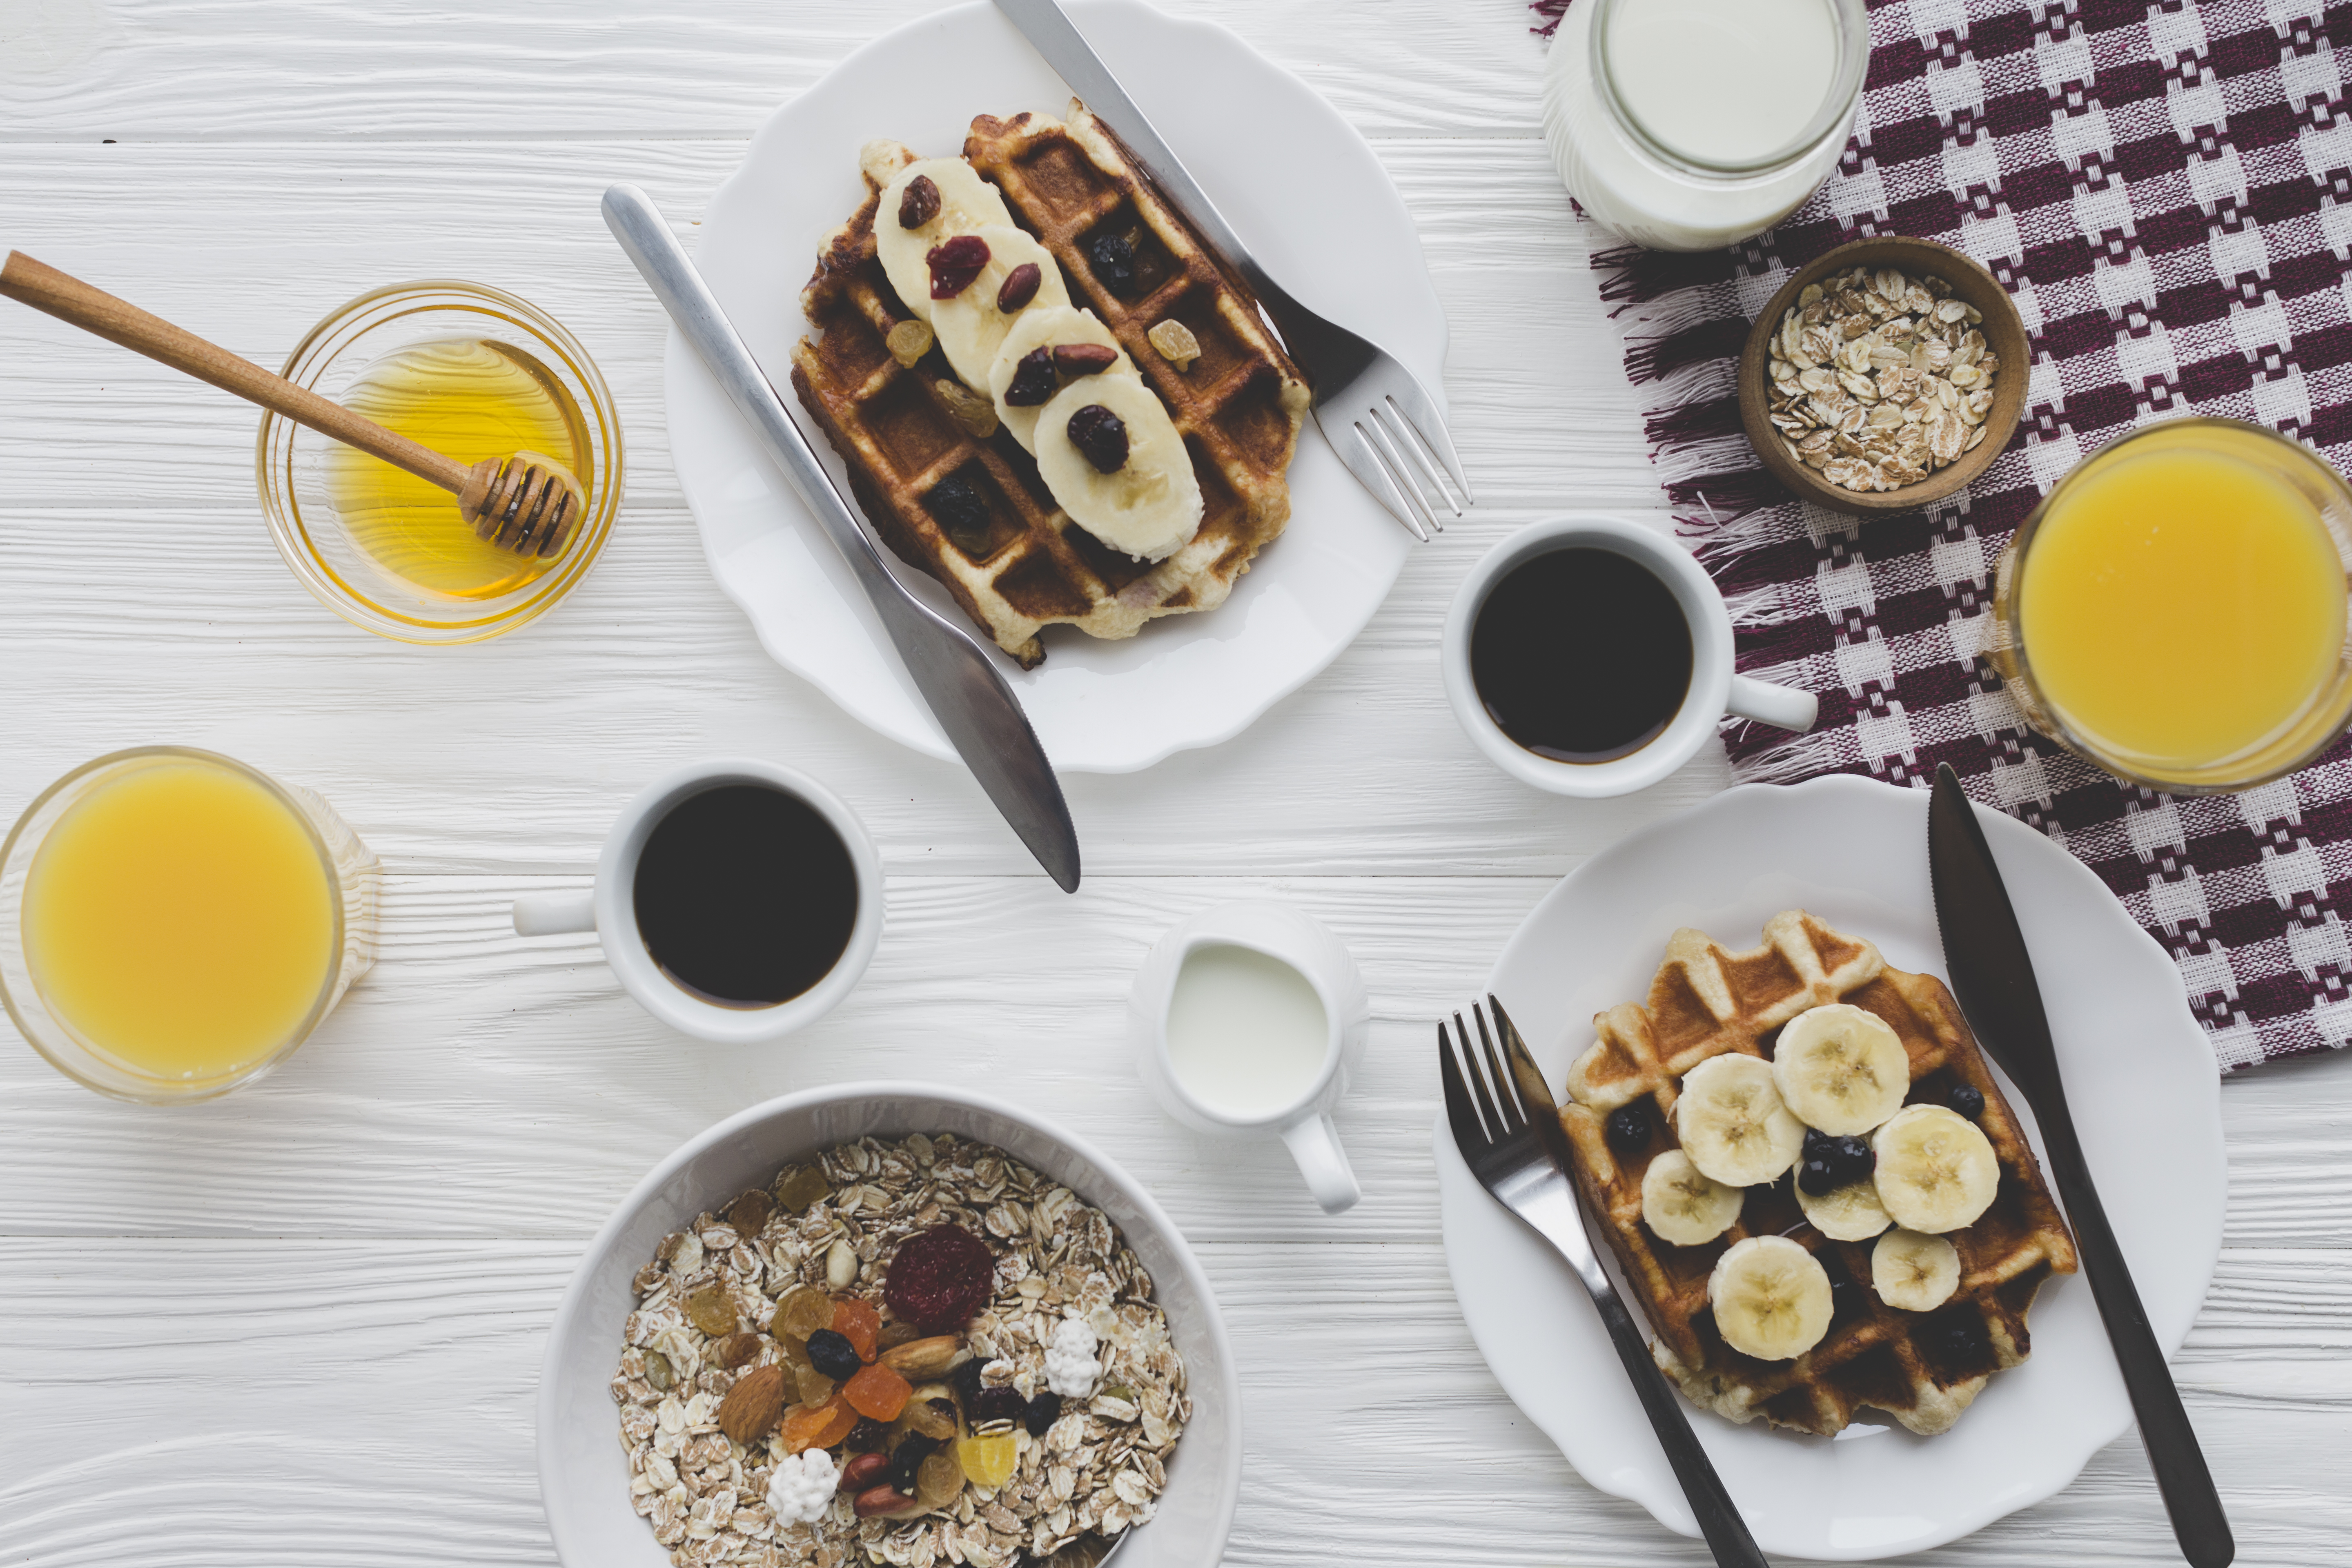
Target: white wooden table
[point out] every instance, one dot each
(303, 1326)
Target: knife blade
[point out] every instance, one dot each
(1992, 977)
(966, 692)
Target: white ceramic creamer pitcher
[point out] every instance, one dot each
(1253, 1053)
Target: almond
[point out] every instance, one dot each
(753, 1406)
(920, 1359)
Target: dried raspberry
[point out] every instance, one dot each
(1033, 379)
(919, 204)
(939, 1279)
(1084, 358)
(1020, 287)
(1100, 434)
(955, 263)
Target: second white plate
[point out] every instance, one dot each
(1305, 192)
(2146, 1096)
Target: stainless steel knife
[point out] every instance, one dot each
(1993, 976)
(967, 693)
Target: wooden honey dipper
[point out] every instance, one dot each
(526, 502)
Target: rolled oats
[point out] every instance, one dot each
(1879, 379)
(1098, 1471)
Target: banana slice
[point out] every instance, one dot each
(1043, 327)
(1732, 1123)
(1684, 1205)
(971, 328)
(967, 205)
(1915, 1272)
(1772, 1298)
(1851, 1212)
(1935, 1170)
(1841, 1069)
(1150, 506)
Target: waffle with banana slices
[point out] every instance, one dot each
(1924, 1367)
(962, 498)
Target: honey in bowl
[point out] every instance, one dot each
(467, 399)
(180, 919)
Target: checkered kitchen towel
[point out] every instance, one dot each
(2166, 190)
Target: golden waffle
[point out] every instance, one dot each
(1923, 1368)
(1239, 407)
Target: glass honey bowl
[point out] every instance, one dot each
(473, 373)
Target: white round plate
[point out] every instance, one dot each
(583, 1477)
(1304, 191)
(2145, 1092)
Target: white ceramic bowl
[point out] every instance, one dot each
(583, 1477)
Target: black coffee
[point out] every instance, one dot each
(745, 895)
(1580, 654)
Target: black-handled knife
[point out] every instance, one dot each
(1993, 976)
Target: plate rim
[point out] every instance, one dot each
(680, 365)
(2000, 827)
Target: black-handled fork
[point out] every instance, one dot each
(1507, 1127)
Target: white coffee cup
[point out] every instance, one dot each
(609, 908)
(1714, 687)
(1302, 1118)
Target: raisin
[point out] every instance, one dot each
(659, 1372)
(1020, 287)
(802, 1188)
(1629, 1127)
(868, 1436)
(1968, 1099)
(919, 204)
(940, 1277)
(803, 1311)
(1101, 436)
(1033, 379)
(975, 413)
(932, 1418)
(908, 1458)
(938, 1480)
(966, 1379)
(751, 1212)
(1084, 358)
(955, 263)
(713, 1311)
(1114, 258)
(833, 1354)
(995, 1404)
(1045, 1409)
(908, 342)
(956, 503)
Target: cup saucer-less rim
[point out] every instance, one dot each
(1855, 851)
(573, 1389)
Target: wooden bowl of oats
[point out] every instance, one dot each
(1884, 376)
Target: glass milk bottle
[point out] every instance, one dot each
(1692, 124)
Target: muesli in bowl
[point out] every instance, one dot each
(903, 1353)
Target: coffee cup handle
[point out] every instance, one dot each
(1315, 1144)
(1782, 707)
(552, 914)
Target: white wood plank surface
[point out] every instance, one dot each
(302, 1326)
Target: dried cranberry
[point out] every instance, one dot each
(940, 1277)
(1114, 262)
(955, 263)
(919, 204)
(962, 511)
(1019, 288)
(1033, 379)
(1084, 358)
(1045, 1409)
(995, 1404)
(1101, 436)
(868, 1436)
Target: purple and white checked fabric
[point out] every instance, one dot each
(2166, 190)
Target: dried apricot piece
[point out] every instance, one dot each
(987, 1461)
(878, 1392)
(859, 1323)
(817, 1425)
(939, 1279)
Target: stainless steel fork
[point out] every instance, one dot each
(1374, 412)
(1508, 1127)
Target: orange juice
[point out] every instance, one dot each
(180, 919)
(2181, 606)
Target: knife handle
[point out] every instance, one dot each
(1719, 1517)
(2199, 1523)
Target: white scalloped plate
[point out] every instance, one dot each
(1303, 189)
(2146, 1095)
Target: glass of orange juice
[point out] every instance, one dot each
(2175, 611)
(174, 923)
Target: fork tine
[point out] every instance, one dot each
(1515, 1116)
(1422, 413)
(1401, 430)
(1497, 1127)
(1533, 1090)
(1394, 462)
(1367, 467)
(1468, 1136)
